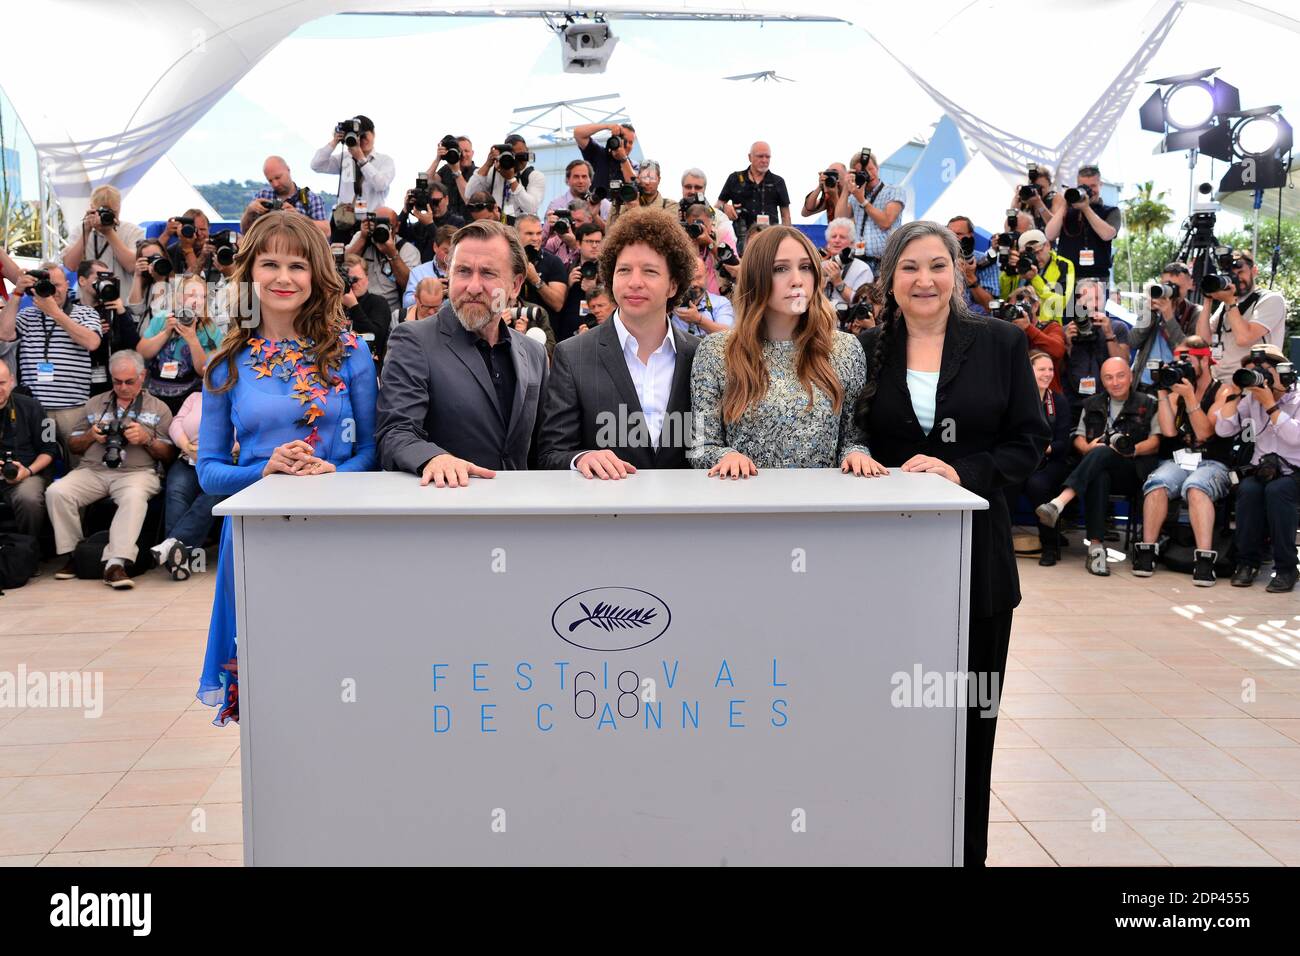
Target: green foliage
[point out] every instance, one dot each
(1145, 213)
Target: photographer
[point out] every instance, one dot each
(99, 289)
(1261, 400)
(826, 196)
(701, 312)
(561, 229)
(755, 196)
(367, 314)
(176, 345)
(25, 454)
(124, 437)
(647, 184)
(283, 193)
(1194, 458)
(373, 170)
(1239, 316)
(150, 281)
(1045, 337)
(55, 340)
(185, 238)
(436, 268)
(218, 278)
(980, 283)
(1117, 437)
(875, 207)
(584, 277)
(843, 274)
(1036, 196)
(1090, 339)
(721, 264)
(103, 236)
(1034, 263)
(544, 275)
(694, 184)
(577, 176)
(389, 258)
(610, 161)
(429, 218)
(1054, 466)
(515, 185)
(453, 166)
(428, 299)
(1083, 227)
(1172, 319)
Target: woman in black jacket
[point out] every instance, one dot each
(1049, 478)
(952, 394)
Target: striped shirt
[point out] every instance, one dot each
(41, 339)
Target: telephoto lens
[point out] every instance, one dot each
(160, 267)
(590, 269)
(106, 216)
(1162, 290)
(452, 147)
(43, 287)
(1123, 443)
(832, 178)
(613, 143)
(560, 227)
(967, 244)
(10, 467)
(106, 287)
(380, 232)
(187, 226)
(1249, 378)
(186, 316)
(1076, 194)
(1215, 282)
(695, 229)
(1027, 192)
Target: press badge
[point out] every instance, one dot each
(45, 372)
(368, 336)
(1086, 257)
(762, 220)
(1088, 386)
(582, 307)
(99, 374)
(1187, 460)
(170, 370)
(860, 249)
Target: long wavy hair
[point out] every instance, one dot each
(321, 317)
(814, 335)
(891, 315)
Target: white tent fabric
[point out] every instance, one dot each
(184, 55)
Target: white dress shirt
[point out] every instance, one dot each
(653, 380)
(376, 175)
(522, 201)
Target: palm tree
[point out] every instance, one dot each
(1145, 213)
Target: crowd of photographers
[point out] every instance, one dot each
(1187, 397)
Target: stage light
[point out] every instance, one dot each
(1189, 105)
(1187, 108)
(1258, 135)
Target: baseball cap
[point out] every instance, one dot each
(1033, 235)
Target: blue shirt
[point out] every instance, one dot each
(869, 234)
(922, 387)
(987, 277)
(425, 270)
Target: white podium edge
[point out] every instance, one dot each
(963, 655)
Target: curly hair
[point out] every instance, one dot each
(660, 231)
(321, 318)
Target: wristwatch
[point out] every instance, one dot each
(1272, 408)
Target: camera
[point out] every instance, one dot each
(695, 229)
(420, 198)
(1162, 290)
(534, 254)
(967, 246)
(1221, 280)
(1010, 311)
(1168, 374)
(351, 130)
(1086, 330)
(507, 161)
(562, 222)
(1271, 466)
(614, 142)
(106, 287)
(114, 442)
(1004, 242)
(160, 267)
(106, 216)
(589, 270)
(1028, 259)
(10, 467)
(1123, 443)
(186, 316)
(44, 287)
(187, 226)
(848, 313)
(380, 230)
(726, 255)
(274, 205)
(452, 146)
(223, 246)
(532, 313)
(1074, 194)
(339, 252)
(831, 179)
(1028, 191)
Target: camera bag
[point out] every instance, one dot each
(19, 557)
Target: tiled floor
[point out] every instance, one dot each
(1144, 722)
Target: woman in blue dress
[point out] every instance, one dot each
(295, 390)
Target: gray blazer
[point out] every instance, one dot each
(591, 377)
(435, 398)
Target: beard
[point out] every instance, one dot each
(472, 315)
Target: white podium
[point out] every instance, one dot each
(542, 669)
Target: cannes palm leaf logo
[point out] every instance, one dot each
(608, 617)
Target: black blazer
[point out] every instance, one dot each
(1062, 427)
(986, 387)
(436, 398)
(589, 376)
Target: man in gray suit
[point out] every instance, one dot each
(619, 397)
(462, 391)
